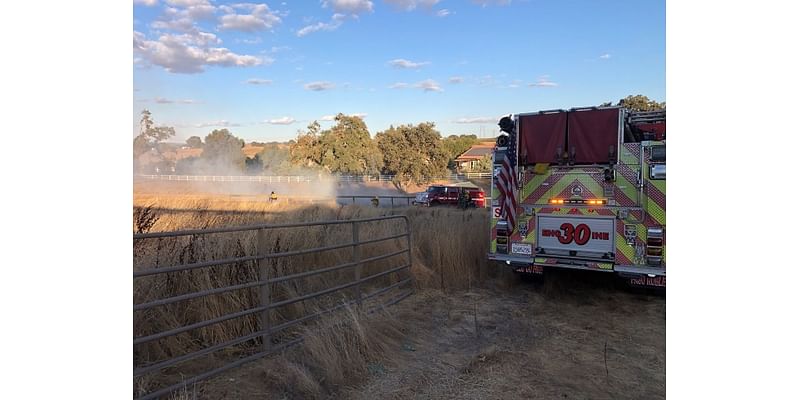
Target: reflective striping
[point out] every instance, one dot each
(656, 195)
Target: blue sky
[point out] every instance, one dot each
(266, 69)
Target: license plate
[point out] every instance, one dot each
(521, 248)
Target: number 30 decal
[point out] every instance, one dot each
(580, 234)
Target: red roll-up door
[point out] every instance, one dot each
(591, 133)
(540, 136)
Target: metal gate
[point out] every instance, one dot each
(371, 286)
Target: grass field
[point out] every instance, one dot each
(472, 330)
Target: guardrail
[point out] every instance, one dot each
(302, 179)
(265, 284)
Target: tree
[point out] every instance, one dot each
(152, 133)
(276, 159)
(222, 151)
(455, 145)
(413, 153)
(307, 150)
(638, 103)
(148, 139)
(254, 165)
(483, 165)
(345, 148)
(195, 142)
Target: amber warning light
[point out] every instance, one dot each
(591, 202)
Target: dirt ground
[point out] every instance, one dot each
(561, 339)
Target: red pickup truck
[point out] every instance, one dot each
(442, 195)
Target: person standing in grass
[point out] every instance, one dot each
(273, 197)
(463, 198)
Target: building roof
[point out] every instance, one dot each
(477, 151)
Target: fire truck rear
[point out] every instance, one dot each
(583, 188)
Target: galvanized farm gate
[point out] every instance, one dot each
(262, 339)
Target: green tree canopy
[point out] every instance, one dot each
(223, 150)
(154, 134)
(346, 148)
(638, 103)
(148, 139)
(194, 142)
(413, 153)
(455, 145)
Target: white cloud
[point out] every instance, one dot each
(148, 3)
(405, 64)
(336, 22)
(353, 7)
(409, 5)
(282, 121)
(443, 13)
(429, 85)
(221, 123)
(257, 81)
(484, 3)
(398, 85)
(188, 54)
(514, 84)
(184, 19)
(544, 81)
(605, 56)
(161, 100)
(319, 86)
(259, 19)
(475, 120)
(456, 79)
(186, 3)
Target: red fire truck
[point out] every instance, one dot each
(583, 188)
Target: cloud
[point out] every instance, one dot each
(319, 86)
(514, 84)
(257, 81)
(221, 123)
(475, 120)
(409, 5)
(260, 18)
(405, 64)
(183, 19)
(456, 79)
(186, 3)
(282, 121)
(161, 100)
(189, 53)
(443, 13)
(544, 81)
(429, 85)
(336, 22)
(605, 56)
(398, 85)
(484, 3)
(353, 7)
(148, 3)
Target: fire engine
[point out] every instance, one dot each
(583, 188)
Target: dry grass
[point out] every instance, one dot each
(442, 258)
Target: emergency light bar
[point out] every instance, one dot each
(592, 202)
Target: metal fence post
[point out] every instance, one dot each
(357, 261)
(264, 290)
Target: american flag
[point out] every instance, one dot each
(508, 184)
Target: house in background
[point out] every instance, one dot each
(469, 159)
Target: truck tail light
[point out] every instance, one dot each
(655, 245)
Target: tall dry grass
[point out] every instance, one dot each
(448, 247)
